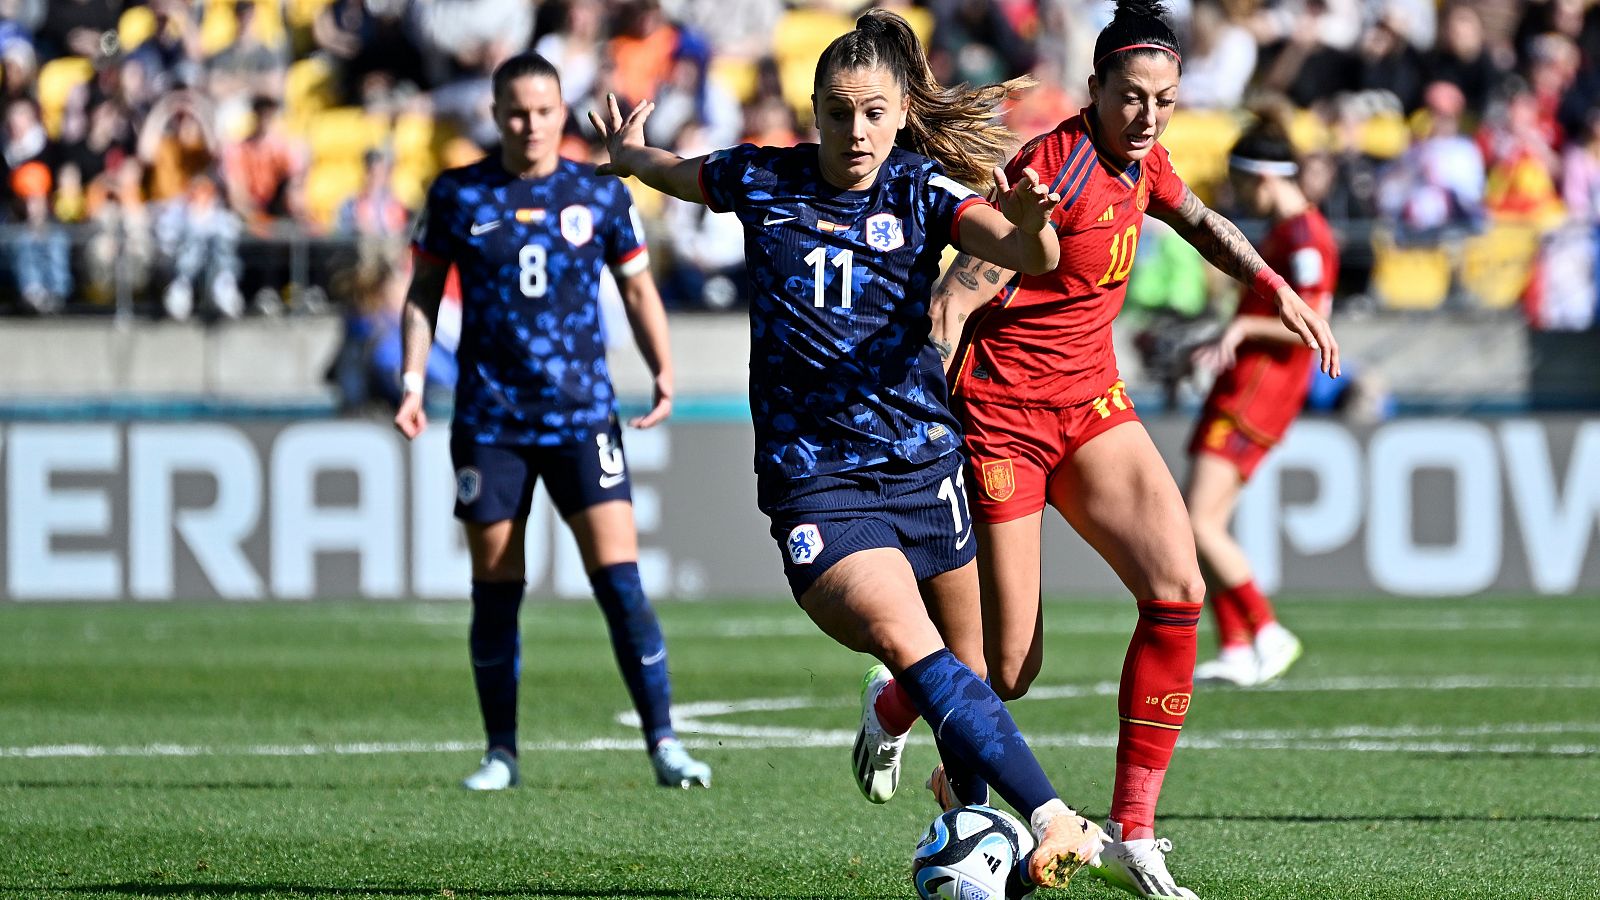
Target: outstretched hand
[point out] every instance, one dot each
(1313, 329)
(620, 134)
(1029, 203)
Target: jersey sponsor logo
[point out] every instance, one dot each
(577, 224)
(525, 215)
(999, 479)
(805, 543)
(613, 466)
(884, 233)
(1175, 704)
(469, 485)
(484, 227)
(777, 219)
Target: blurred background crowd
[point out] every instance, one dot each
(219, 158)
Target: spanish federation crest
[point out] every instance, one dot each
(884, 233)
(999, 480)
(577, 224)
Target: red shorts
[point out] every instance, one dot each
(1014, 451)
(1217, 434)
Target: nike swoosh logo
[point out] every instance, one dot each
(482, 227)
(653, 658)
(962, 541)
(769, 220)
(611, 481)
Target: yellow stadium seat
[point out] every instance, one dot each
(219, 26)
(803, 34)
(344, 133)
(307, 89)
(1385, 136)
(302, 13)
(58, 78)
(1198, 142)
(797, 77)
(1496, 265)
(328, 185)
(920, 20)
(1409, 278)
(1308, 132)
(137, 25)
(413, 139)
(736, 76)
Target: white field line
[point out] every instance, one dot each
(701, 726)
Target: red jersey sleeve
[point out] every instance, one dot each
(1166, 188)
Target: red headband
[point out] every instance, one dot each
(1160, 47)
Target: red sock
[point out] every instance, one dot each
(895, 711)
(1233, 630)
(1157, 678)
(1255, 605)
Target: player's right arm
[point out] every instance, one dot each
(417, 322)
(630, 155)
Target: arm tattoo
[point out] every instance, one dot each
(969, 280)
(991, 275)
(945, 348)
(1217, 239)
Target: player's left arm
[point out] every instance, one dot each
(663, 170)
(1016, 234)
(648, 320)
(1224, 246)
(1222, 351)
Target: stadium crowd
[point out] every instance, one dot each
(169, 151)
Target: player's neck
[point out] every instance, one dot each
(1291, 202)
(524, 168)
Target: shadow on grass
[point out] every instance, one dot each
(1414, 818)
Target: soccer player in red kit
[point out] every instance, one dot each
(1263, 374)
(1047, 420)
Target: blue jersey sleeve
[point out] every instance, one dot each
(435, 234)
(947, 201)
(724, 175)
(626, 252)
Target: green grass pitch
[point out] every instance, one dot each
(1444, 749)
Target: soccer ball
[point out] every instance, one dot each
(971, 853)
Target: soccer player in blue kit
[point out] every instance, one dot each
(530, 233)
(858, 457)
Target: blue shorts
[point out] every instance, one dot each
(494, 482)
(920, 511)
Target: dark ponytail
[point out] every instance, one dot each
(955, 125)
(1137, 27)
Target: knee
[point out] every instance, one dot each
(1011, 681)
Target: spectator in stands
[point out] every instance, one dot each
(249, 66)
(1219, 58)
(641, 52)
(76, 27)
(374, 214)
(19, 66)
(371, 46)
(1309, 47)
(1520, 154)
(740, 31)
(462, 38)
(574, 47)
(974, 42)
(1390, 64)
(197, 240)
(1580, 173)
(119, 253)
(1344, 181)
(1463, 58)
(1435, 189)
(39, 248)
(265, 171)
(171, 55)
(24, 16)
(770, 122)
(24, 140)
(366, 369)
(177, 143)
(689, 98)
(708, 270)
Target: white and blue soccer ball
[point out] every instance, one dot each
(971, 853)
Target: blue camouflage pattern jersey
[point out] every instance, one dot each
(530, 253)
(842, 375)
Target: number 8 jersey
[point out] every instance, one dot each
(1046, 340)
(842, 375)
(530, 253)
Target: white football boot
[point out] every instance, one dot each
(1276, 649)
(1234, 665)
(1064, 842)
(1139, 867)
(497, 772)
(676, 768)
(877, 752)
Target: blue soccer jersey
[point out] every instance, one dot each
(842, 375)
(530, 253)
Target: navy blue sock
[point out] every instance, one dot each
(973, 727)
(968, 785)
(641, 650)
(496, 657)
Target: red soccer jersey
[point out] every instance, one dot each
(1048, 342)
(1267, 385)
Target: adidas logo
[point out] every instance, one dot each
(1109, 214)
(994, 864)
